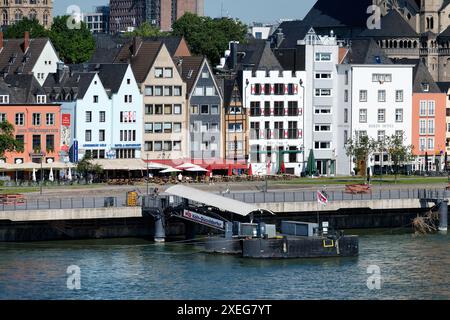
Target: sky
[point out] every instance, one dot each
(247, 11)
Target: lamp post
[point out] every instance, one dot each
(42, 173)
(147, 175)
(303, 116)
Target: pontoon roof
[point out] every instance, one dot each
(213, 200)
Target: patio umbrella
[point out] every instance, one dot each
(196, 169)
(186, 165)
(34, 175)
(445, 162)
(69, 175)
(170, 170)
(250, 170)
(50, 176)
(282, 167)
(311, 167)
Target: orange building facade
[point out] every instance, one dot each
(429, 130)
(39, 127)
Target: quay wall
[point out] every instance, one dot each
(113, 222)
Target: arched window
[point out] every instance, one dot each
(428, 23)
(18, 16)
(32, 15)
(45, 18)
(5, 18)
(431, 23)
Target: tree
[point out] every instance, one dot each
(360, 149)
(17, 30)
(398, 152)
(8, 143)
(75, 44)
(146, 30)
(86, 167)
(207, 36)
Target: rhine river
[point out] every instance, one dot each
(411, 267)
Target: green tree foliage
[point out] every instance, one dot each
(360, 149)
(86, 167)
(74, 45)
(8, 143)
(207, 36)
(17, 30)
(399, 153)
(146, 30)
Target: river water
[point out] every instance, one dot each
(411, 267)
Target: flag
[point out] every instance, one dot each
(322, 198)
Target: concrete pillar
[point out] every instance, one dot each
(443, 216)
(160, 230)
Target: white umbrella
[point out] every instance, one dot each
(170, 170)
(34, 175)
(196, 169)
(50, 176)
(69, 175)
(186, 165)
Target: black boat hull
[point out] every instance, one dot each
(300, 247)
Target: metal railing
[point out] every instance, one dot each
(311, 196)
(247, 197)
(64, 203)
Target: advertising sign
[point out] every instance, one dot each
(65, 120)
(75, 151)
(203, 219)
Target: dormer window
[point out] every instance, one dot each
(4, 99)
(425, 86)
(41, 98)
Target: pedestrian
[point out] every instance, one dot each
(180, 177)
(368, 176)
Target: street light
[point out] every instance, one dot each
(147, 176)
(42, 173)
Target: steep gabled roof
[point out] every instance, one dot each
(366, 51)
(255, 55)
(172, 43)
(342, 13)
(23, 88)
(143, 60)
(292, 32)
(393, 25)
(13, 58)
(73, 83)
(111, 75)
(421, 75)
(107, 47)
(190, 69)
(443, 86)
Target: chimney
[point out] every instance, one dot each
(180, 66)
(1, 40)
(280, 37)
(233, 54)
(26, 41)
(60, 71)
(135, 45)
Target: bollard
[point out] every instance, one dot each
(160, 232)
(443, 216)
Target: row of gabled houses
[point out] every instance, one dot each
(150, 99)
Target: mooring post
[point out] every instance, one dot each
(160, 231)
(443, 216)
